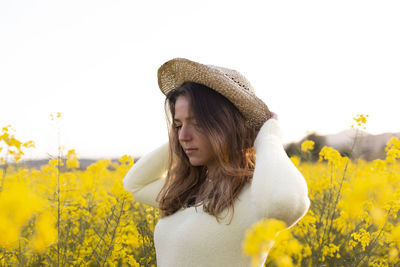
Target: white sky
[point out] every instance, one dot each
(315, 63)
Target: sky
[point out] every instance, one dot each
(317, 64)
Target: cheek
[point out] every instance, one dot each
(207, 149)
(205, 146)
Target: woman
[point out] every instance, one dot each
(206, 181)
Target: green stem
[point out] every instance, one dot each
(371, 245)
(111, 245)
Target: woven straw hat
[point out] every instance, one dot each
(227, 82)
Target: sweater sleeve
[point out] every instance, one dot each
(278, 188)
(145, 179)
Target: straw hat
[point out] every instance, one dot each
(227, 82)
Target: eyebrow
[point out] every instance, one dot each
(188, 119)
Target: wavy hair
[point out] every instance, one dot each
(232, 142)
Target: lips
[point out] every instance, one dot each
(189, 151)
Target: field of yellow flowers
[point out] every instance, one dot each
(60, 215)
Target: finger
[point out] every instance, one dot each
(274, 115)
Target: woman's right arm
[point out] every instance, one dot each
(145, 179)
(278, 188)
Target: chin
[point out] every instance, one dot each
(196, 163)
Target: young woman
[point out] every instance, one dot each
(223, 169)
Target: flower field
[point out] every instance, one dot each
(353, 219)
(59, 215)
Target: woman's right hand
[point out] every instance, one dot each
(274, 115)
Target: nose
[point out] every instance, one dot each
(185, 134)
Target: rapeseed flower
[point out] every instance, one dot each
(307, 145)
(331, 251)
(353, 214)
(360, 120)
(362, 237)
(45, 232)
(392, 150)
(260, 237)
(17, 206)
(72, 159)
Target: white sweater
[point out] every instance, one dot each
(192, 237)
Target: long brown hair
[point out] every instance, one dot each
(232, 142)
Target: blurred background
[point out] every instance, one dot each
(317, 64)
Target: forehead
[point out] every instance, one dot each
(182, 108)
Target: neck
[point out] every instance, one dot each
(210, 171)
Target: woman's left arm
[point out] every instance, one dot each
(278, 188)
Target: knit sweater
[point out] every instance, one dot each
(192, 237)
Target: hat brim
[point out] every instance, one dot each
(175, 72)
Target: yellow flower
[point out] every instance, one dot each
(17, 206)
(392, 150)
(5, 129)
(332, 156)
(363, 237)
(55, 162)
(393, 254)
(260, 237)
(360, 119)
(378, 215)
(331, 251)
(29, 144)
(284, 261)
(125, 159)
(55, 116)
(45, 232)
(96, 211)
(395, 236)
(72, 159)
(307, 145)
(295, 160)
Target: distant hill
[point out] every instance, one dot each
(367, 146)
(84, 163)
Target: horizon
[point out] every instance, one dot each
(137, 156)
